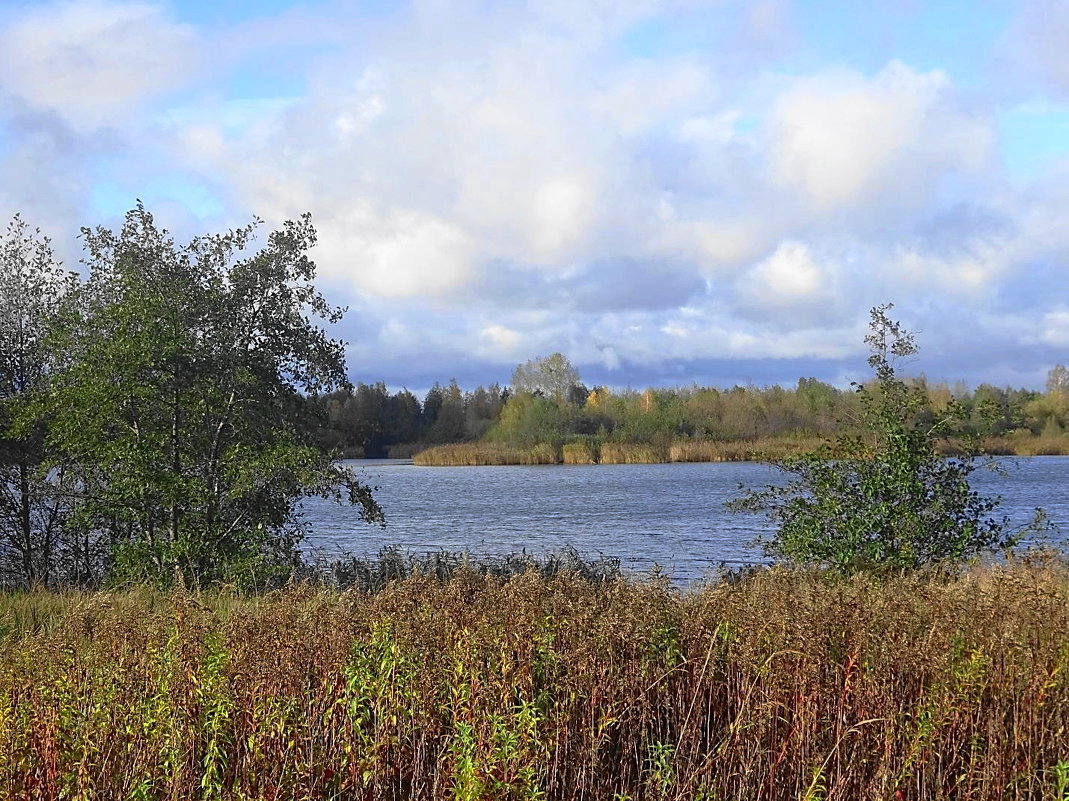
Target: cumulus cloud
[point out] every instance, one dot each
(1055, 327)
(842, 138)
(394, 255)
(491, 182)
(789, 287)
(93, 62)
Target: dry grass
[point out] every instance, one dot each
(483, 453)
(632, 453)
(782, 686)
(579, 453)
(691, 450)
(1028, 444)
(741, 450)
(473, 454)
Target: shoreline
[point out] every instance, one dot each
(490, 455)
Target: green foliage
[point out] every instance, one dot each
(528, 419)
(885, 500)
(179, 400)
(33, 538)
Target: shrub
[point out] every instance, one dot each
(886, 499)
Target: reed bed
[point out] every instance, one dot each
(695, 450)
(484, 453)
(474, 454)
(783, 685)
(579, 453)
(633, 453)
(1028, 444)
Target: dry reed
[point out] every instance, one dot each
(693, 450)
(474, 454)
(579, 453)
(633, 453)
(781, 686)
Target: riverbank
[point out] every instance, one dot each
(784, 685)
(593, 452)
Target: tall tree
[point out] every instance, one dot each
(551, 376)
(181, 396)
(32, 510)
(1058, 380)
(449, 424)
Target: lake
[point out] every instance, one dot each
(670, 515)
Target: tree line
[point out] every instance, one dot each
(546, 402)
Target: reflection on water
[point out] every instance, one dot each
(671, 515)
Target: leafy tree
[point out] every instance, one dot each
(530, 419)
(449, 422)
(180, 395)
(432, 406)
(1058, 380)
(365, 418)
(481, 408)
(32, 511)
(887, 500)
(551, 376)
(403, 417)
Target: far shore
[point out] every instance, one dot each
(477, 454)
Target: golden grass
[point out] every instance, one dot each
(472, 454)
(784, 686)
(579, 453)
(1027, 444)
(760, 449)
(633, 453)
(741, 450)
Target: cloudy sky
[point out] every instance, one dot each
(667, 192)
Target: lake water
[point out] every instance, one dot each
(670, 515)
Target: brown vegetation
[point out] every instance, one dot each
(783, 686)
(472, 454)
(579, 453)
(633, 453)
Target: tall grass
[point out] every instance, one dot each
(780, 686)
(472, 454)
(579, 453)
(1028, 444)
(587, 452)
(633, 453)
(1021, 443)
(740, 450)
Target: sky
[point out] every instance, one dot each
(668, 192)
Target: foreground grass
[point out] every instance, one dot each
(782, 686)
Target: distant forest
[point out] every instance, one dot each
(547, 403)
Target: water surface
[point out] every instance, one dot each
(671, 515)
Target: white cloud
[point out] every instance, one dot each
(645, 93)
(93, 62)
(1040, 34)
(491, 182)
(1055, 327)
(966, 272)
(788, 276)
(843, 138)
(790, 289)
(397, 255)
